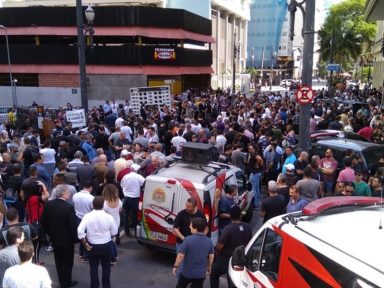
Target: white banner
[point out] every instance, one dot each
(76, 117)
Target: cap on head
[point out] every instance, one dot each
(290, 167)
(124, 152)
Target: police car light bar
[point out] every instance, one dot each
(319, 206)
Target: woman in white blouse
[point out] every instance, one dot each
(112, 206)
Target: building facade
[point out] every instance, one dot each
(228, 17)
(134, 46)
(374, 12)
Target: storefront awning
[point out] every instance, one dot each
(151, 32)
(111, 70)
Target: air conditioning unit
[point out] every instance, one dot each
(197, 153)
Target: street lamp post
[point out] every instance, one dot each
(90, 15)
(14, 100)
(14, 84)
(236, 51)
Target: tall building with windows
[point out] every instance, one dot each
(270, 49)
(268, 37)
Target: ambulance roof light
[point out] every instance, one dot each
(319, 206)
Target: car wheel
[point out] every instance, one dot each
(249, 214)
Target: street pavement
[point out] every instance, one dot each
(137, 266)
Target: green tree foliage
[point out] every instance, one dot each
(351, 34)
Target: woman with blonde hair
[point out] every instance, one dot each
(112, 206)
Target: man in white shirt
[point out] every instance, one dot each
(95, 231)
(26, 274)
(131, 184)
(221, 141)
(127, 131)
(82, 201)
(177, 140)
(114, 107)
(119, 121)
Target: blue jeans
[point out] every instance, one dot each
(114, 251)
(100, 254)
(255, 181)
(178, 245)
(328, 187)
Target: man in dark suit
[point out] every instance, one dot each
(59, 222)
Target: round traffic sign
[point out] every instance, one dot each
(305, 95)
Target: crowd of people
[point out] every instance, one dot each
(86, 178)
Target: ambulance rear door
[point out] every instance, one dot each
(161, 203)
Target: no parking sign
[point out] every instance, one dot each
(305, 95)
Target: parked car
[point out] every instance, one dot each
(287, 82)
(329, 133)
(368, 152)
(319, 247)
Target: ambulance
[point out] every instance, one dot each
(333, 242)
(194, 175)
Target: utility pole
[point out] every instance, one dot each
(306, 75)
(81, 56)
(236, 51)
(331, 60)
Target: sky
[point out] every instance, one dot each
(332, 2)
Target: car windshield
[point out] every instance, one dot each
(373, 154)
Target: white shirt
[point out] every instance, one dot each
(114, 212)
(131, 184)
(127, 132)
(114, 107)
(177, 140)
(97, 226)
(220, 143)
(27, 275)
(82, 201)
(48, 155)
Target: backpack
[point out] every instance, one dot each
(34, 208)
(29, 156)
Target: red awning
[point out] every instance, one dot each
(105, 69)
(150, 32)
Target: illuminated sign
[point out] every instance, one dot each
(164, 54)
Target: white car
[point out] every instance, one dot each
(287, 82)
(325, 245)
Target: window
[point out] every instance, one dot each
(264, 254)
(241, 182)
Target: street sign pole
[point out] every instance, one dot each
(305, 110)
